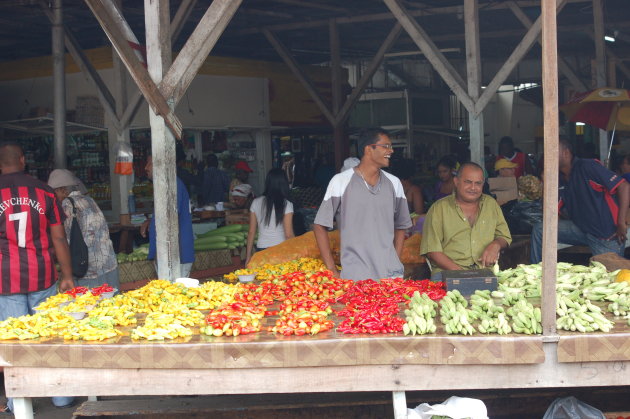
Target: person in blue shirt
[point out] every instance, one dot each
(594, 202)
(215, 184)
(186, 250)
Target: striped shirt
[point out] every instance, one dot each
(28, 208)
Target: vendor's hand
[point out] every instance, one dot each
(65, 284)
(144, 228)
(621, 233)
(335, 273)
(491, 254)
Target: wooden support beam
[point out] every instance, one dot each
(177, 24)
(618, 63)
(565, 68)
(369, 73)
(285, 54)
(517, 55)
(433, 54)
(313, 5)
(335, 66)
(551, 131)
(473, 70)
(158, 39)
(181, 16)
(196, 50)
(113, 27)
(388, 16)
(600, 68)
(88, 70)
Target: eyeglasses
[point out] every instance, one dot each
(387, 146)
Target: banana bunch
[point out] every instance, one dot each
(525, 318)
(420, 315)
(492, 318)
(581, 315)
(454, 315)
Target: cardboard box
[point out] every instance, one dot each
(468, 281)
(240, 216)
(505, 188)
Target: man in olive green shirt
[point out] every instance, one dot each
(465, 230)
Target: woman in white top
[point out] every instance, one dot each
(271, 214)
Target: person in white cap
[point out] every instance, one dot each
(102, 264)
(242, 196)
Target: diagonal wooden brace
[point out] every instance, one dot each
(113, 29)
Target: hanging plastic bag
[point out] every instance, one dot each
(124, 159)
(572, 408)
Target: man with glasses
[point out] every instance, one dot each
(465, 230)
(372, 214)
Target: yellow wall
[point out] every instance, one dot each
(290, 104)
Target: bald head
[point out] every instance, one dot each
(11, 158)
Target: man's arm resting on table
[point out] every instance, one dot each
(399, 242)
(442, 261)
(62, 251)
(321, 236)
(492, 251)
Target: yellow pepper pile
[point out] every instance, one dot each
(91, 329)
(161, 326)
(268, 271)
(45, 324)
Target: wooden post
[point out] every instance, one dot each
(59, 80)
(120, 184)
(551, 132)
(600, 68)
(158, 41)
(612, 72)
(335, 64)
(473, 68)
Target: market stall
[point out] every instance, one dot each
(279, 359)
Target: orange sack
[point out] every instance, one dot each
(306, 246)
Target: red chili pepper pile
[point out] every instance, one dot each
(315, 285)
(234, 319)
(77, 291)
(305, 304)
(300, 323)
(372, 307)
(102, 289)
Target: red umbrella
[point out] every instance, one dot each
(605, 108)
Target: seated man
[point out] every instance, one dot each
(465, 230)
(595, 201)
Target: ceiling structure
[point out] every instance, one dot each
(303, 27)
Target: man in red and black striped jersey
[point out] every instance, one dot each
(30, 227)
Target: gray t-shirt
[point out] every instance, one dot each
(367, 219)
(272, 234)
